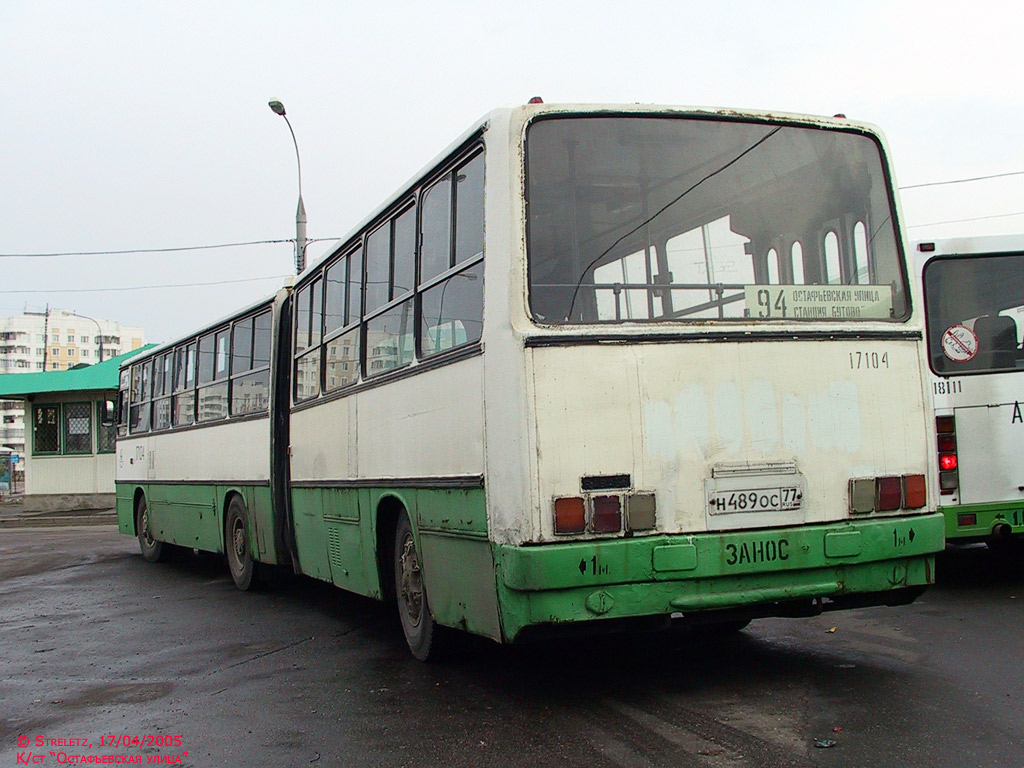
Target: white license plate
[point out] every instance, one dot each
(779, 499)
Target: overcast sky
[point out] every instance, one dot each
(141, 125)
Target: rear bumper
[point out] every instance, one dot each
(756, 573)
(987, 518)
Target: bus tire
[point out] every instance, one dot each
(153, 551)
(236, 546)
(411, 594)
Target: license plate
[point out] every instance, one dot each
(780, 499)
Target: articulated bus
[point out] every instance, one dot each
(974, 306)
(593, 368)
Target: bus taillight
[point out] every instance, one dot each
(949, 479)
(640, 511)
(915, 491)
(887, 494)
(570, 515)
(605, 513)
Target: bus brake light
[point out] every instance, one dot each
(949, 478)
(888, 493)
(607, 514)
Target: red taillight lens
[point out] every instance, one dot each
(888, 493)
(607, 514)
(947, 461)
(915, 494)
(947, 443)
(570, 515)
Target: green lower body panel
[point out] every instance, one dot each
(684, 574)
(192, 514)
(345, 536)
(124, 504)
(974, 522)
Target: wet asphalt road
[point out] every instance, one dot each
(98, 643)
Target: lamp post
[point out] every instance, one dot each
(300, 212)
(99, 331)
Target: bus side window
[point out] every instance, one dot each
(772, 260)
(796, 252)
(860, 253)
(833, 270)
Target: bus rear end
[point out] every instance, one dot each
(727, 416)
(974, 301)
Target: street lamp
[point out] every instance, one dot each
(99, 330)
(300, 212)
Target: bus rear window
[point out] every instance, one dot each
(656, 219)
(975, 313)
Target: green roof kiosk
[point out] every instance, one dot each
(70, 428)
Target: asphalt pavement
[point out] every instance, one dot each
(169, 662)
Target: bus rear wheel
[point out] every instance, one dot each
(153, 551)
(411, 593)
(236, 545)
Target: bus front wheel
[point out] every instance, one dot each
(152, 550)
(236, 545)
(411, 593)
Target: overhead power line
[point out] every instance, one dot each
(961, 221)
(145, 287)
(962, 181)
(212, 246)
(154, 250)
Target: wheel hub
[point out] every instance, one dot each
(238, 542)
(411, 580)
(145, 529)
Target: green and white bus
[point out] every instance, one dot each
(974, 305)
(593, 367)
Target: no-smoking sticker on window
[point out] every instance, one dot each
(959, 343)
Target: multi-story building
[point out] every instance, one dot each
(54, 341)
